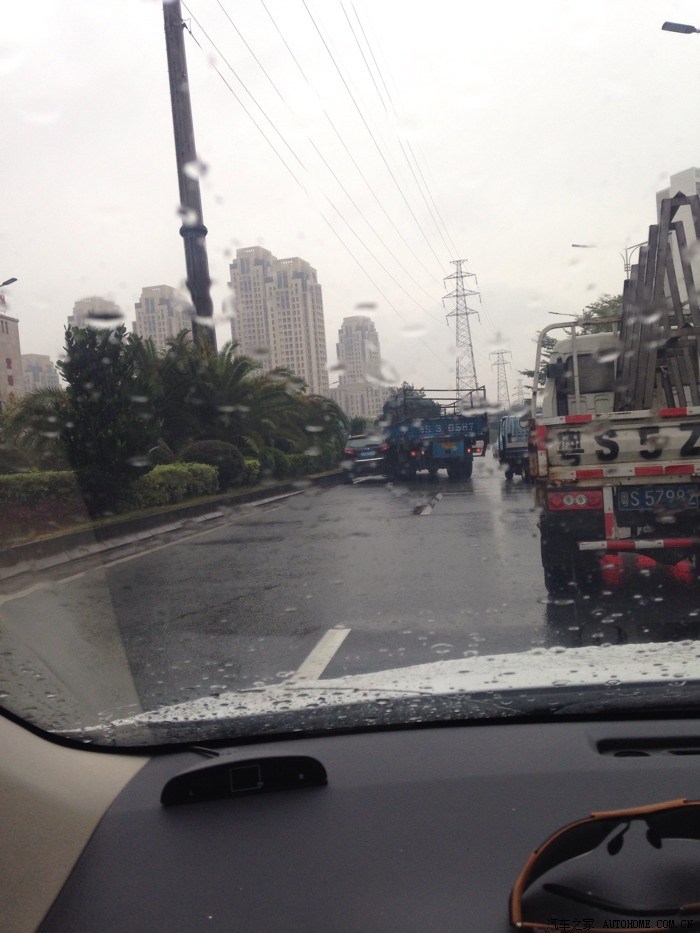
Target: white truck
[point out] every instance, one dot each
(612, 480)
(615, 431)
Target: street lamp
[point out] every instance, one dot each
(626, 256)
(679, 27)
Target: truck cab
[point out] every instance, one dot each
(580, 375)
(512, 448)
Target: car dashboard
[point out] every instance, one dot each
(422, 828)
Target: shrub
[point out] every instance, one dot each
(34, 503)
(171, 483)
(225, 457)
(251, 473)
(14, 460)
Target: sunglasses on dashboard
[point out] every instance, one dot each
(674, 819)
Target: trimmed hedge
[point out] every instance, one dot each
(36, 503)
(174, 482)
(227, 459)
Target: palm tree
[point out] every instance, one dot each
(34, 424)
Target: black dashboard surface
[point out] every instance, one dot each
(422, 829)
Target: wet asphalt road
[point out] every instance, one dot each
(331, 581)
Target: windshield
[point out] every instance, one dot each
(243, 239)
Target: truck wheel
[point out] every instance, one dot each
(509, 473)
(467, 468)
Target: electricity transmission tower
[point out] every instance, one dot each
(500, 365)
(466, 367)
(519, 393)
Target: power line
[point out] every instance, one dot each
(391, 253)
(260, 65)
(369, 130)
(245, 109)
(335, 232)
(400, 141)
(396, 116)
(388, 301)
(343, 143)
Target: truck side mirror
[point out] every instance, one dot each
(555, 371)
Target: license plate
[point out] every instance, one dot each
(644, 498)
(368, 453)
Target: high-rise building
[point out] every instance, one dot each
(360, 392)
(279, 315)
(39, 372)
(93, 309)
(161, 313)
(358, 350)
(11, 376)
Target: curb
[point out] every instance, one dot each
(62, 548)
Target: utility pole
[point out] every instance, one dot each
(466, 367)
(500, 365)
(192, 231)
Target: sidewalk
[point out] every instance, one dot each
(111, 534)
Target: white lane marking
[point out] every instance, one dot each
(321, 656)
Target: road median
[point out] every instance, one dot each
(96, 537)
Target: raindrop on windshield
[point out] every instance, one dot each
(195, 169)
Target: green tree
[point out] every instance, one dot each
(358, 425)
(600, 310)
(33, 424)
(107, 428)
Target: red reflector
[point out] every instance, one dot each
(576, 500)
(349, 452)
(680, 469)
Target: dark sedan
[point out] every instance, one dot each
(365, 455)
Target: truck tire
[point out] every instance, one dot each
(509, 473)
(467, 468)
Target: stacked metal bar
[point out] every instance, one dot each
(658, 364)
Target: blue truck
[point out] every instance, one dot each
(512, 450)
(431, 437)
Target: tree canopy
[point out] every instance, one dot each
(127, 405)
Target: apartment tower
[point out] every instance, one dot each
(279, 315)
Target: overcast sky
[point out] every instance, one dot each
(533, 125)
